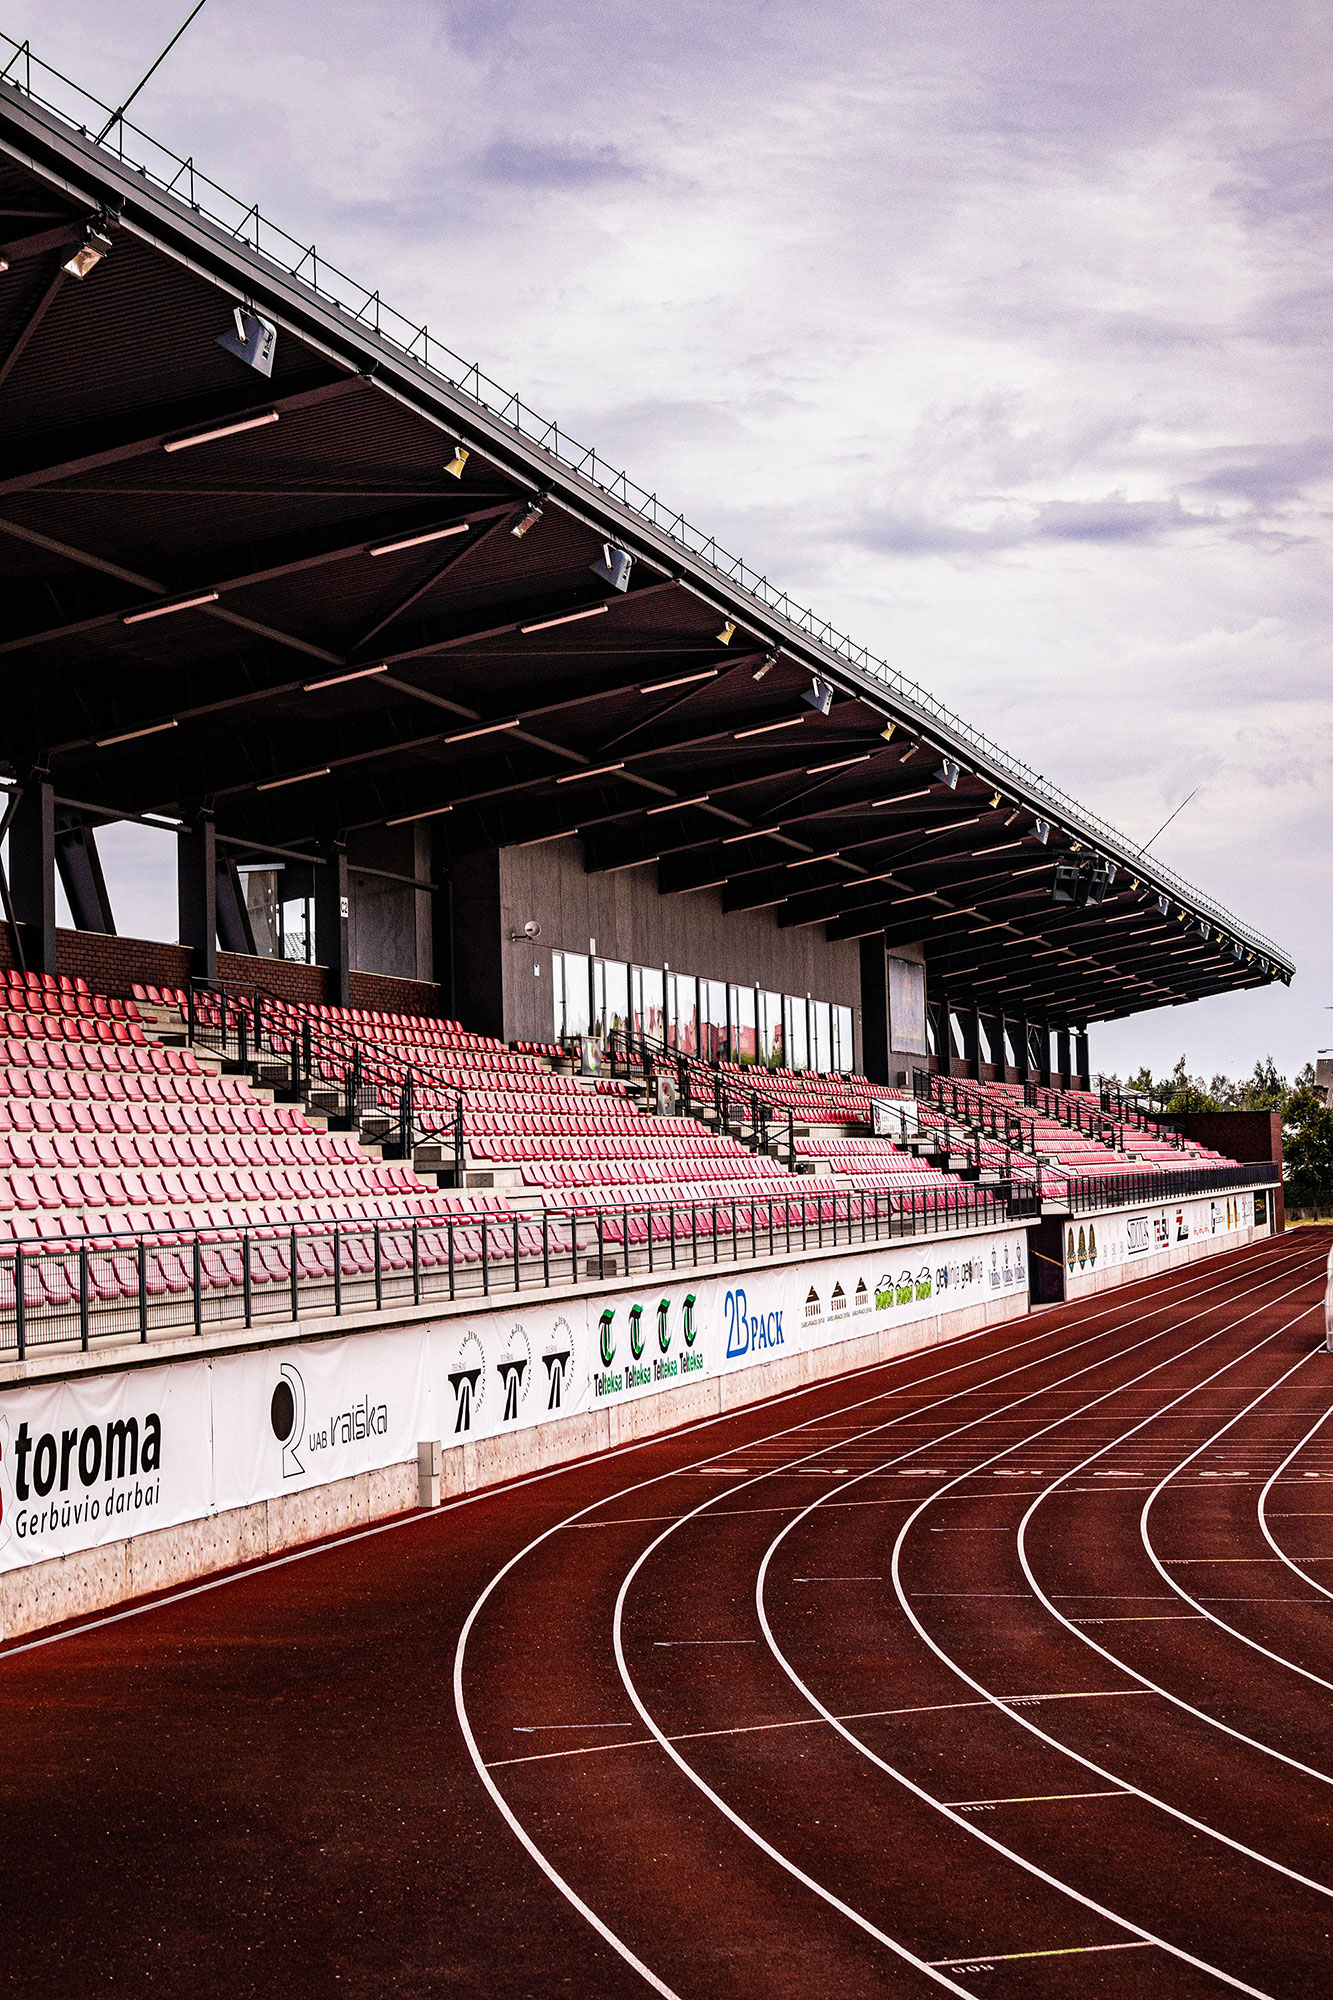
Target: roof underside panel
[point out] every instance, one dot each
(288, 601)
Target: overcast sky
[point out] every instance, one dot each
(999, 333)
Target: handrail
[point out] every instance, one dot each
(244, 222)
(121, 1284)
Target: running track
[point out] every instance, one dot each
(1004, 1669)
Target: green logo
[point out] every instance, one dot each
(663, 1330)
(604, 1331)
(636, 1331)
(689, 1329)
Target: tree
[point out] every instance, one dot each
(1308, 1151)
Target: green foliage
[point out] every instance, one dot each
(1308, 1152)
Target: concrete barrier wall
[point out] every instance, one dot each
(1109, 1248)
(84, 1581)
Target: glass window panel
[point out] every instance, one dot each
(797, 1039)
(743, 1038)
(615, 995)
(712, 1019)
(844, 1057)
(648, 1001)
(682, 1012)
(576, 993)
(770, 1028)
(821, 1025)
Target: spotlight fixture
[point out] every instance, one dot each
(458, 461)
(728, 633)
(89, 254)
(948, 774)
(1042, 831)
(995, 800)
(765, 666)
(1076, 847)
(614, 567)
(252, 340)
(819, 695)
(1164, 905)
(1065, 887)
(529, 520)
(887, 731)
(1202, 927)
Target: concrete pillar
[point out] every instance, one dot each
(197, 895)
(32, 871)
(1082, 1059)
(332, 909)
(970, 1022)
(1062, 1057)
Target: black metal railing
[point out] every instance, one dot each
(1077, 1112)
(1157, 1185)
(77, 1291)
(966, 1101)
(363, 1085)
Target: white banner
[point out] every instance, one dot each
(300, 1416)
(97, 1459)
(1101, 1242)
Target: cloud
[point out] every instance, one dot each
(555, 165)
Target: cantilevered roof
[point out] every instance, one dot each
(290, 600)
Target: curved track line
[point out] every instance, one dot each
(1278, 1659)
(1273, 1544)
(1284, 1266)
(1137, 1930)
(999, 1702)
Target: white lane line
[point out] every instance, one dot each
(837, 1579)
(1255, 1645)
(1146, 1618)
(1039, 1799)
(1145, 1681)
(811, 1722)
(705, 1642)
(639, 1486)
(1264, 1517)
(539, 1728)
(983, 1961)
(1009, 1707)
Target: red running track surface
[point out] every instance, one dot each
(1003, 1669)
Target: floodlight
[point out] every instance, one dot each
(529, 520)
(887, 731)
(995, 800)
(728, 633)
(458, 461)
(1203, 927)
(1164, 905)
(1042, 831)
(89, 254)
(252, 340)
(819, 695)
(615, 566)
(948, 774)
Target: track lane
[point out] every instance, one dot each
(1109, 1313)
(824, 1706)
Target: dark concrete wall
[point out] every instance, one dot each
(631, 921)
(1241, 1135)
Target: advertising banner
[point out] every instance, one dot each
(95, 1460)
(1102, 1242)
(98, 1459)
(296, 1417)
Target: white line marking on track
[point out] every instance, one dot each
(1176, 1951)
(1270, 1538)
(983, 1961)
(1040, 1798)
(1105, 1313)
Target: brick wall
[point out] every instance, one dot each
(114, 964)
(1241, 1135)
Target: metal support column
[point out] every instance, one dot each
(197, 894)
(32, 871)
(331, 926)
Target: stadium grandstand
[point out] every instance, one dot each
(556, 897)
